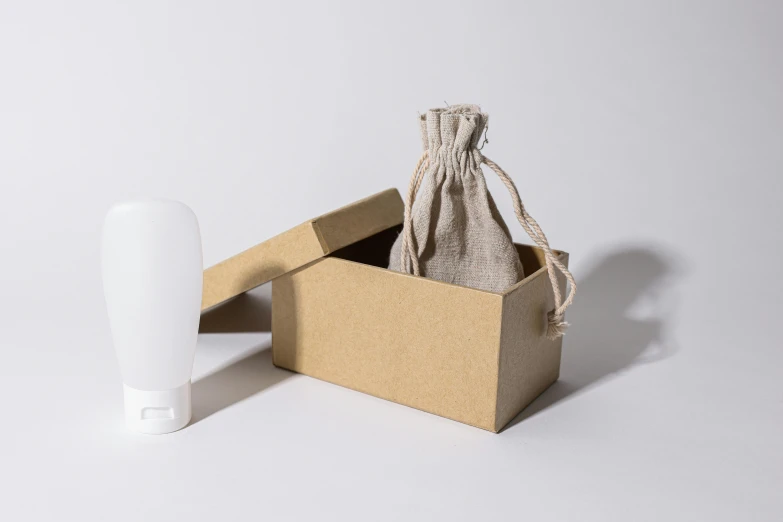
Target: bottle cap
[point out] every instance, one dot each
(157, 412)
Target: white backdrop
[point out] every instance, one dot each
(645, 137)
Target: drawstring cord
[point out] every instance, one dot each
(408, 247)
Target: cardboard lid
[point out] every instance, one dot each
(301, 245)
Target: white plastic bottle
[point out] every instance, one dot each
(152, 280)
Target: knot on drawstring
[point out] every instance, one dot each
(556, 326)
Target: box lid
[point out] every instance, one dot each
(301, 245)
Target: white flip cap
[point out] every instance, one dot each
(157, 412)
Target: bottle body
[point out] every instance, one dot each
(152, 275)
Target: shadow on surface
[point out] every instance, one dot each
(622, 310)
(234, 383)
(247, 376)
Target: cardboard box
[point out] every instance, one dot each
(473, 356)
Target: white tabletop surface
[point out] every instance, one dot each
(639, 427)
(645, 138)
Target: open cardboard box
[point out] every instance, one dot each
(470, 355)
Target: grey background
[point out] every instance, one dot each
(645, 137)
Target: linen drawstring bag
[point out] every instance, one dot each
(452, 229)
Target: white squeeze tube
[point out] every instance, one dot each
(152, 281)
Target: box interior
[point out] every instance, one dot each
(375, 251)
(372, 251)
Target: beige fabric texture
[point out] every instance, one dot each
(457, 231)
